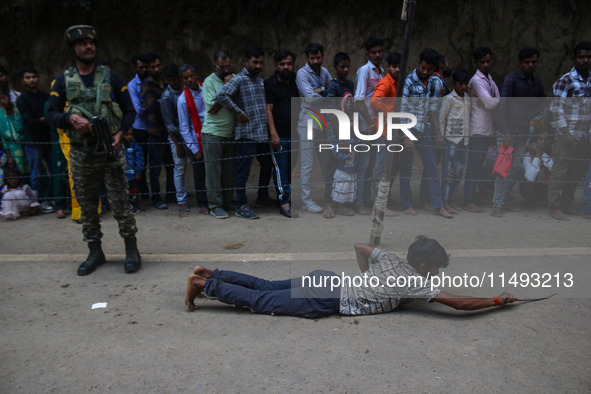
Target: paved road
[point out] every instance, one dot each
(145, 341)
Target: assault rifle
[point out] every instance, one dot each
(104, 145)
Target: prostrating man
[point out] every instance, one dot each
(98, 95)
(571, 109)
(368, 77)
(159, 154)
(218, 137)
(140, 127)
(191, 116)
(484, 95)
(324, 293)
(279, 89)
(514, 117)
(311, 81)
(31, 105)
(422, 91)
(244, 95)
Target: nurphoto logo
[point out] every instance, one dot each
(354, 142)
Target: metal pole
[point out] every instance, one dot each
(377, 227)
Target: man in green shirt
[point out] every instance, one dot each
(218, 140)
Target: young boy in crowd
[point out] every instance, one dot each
(341, 170)
(454, 121)
(134, 156)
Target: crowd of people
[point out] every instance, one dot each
(165, 117)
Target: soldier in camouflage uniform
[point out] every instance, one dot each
(78, 96)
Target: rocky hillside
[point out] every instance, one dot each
(188, 31)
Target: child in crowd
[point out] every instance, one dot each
(18, 199)
(342, 189)
(454, 121)
(134, 156)
(537, 165)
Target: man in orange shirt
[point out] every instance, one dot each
(383, 101)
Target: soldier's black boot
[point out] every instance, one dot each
(133, 260)
(95, 258)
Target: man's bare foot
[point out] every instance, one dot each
(455, 207)
(443, 212)
(497, 212)
(195, 286)
(410, 211)
(390, 213)
(203, 272)
(450, 209)
(474, 208)
(586, 216)
(557, 214)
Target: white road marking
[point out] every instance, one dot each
(320, 256)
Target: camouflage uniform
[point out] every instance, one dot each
(102, 98)
(86, 171)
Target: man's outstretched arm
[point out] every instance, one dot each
(363, 252)
(466, 303)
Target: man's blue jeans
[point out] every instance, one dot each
(37, 154)
(281, 297)
(425, 148)
(454, 160)
(180, 165)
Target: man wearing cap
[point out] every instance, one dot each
(95, 95)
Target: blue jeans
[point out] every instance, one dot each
(382, 158)
(180, 165)
(477, 149)
(587, 193)
(273, 297)
(246, 151)
(37, 154)
(454, 160)
(141, 137)
(425, 148)
(282, 171)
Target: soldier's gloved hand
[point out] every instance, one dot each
(81, 124)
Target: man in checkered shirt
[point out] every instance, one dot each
(244, 95)
(571, 110)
